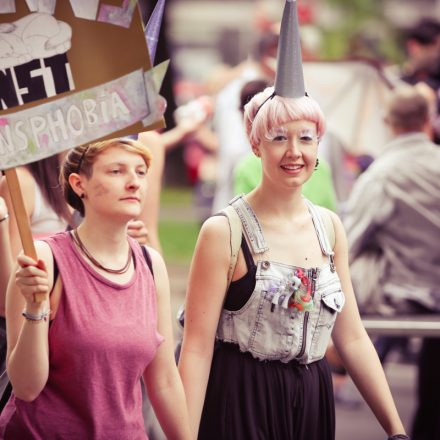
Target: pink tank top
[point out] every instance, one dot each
(101, 341)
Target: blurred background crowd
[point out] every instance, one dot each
(222, 52)
(354, 53)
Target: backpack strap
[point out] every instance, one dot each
(235, 244)
(55, 293)
(147, 257)
(235, 239)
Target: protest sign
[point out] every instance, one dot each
(71, 72)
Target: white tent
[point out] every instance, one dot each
(352, 95)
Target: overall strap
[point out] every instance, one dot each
(251, 225)
(324, 229)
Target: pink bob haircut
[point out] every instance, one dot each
(259, 121)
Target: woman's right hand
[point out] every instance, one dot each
(31, 278)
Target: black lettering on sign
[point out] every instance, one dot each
(59, 66)
(30, 82)
(8, 97)
(34, 80)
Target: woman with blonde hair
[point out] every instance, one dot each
(75, 359)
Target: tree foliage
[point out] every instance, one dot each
(363, 30)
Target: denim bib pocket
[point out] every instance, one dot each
(334, 301)
(331, 303)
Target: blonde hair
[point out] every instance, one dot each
(81, 159)
(263, 112)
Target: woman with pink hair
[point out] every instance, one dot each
(252, 360)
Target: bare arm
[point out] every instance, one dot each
(356, 349)
(206, 292)
(161, 377)
(5, 254)
(192, 124)
(27, 357)
(207, 138)
(150, 211)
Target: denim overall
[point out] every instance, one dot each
(269, 326)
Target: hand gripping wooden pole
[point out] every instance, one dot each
(22, 220)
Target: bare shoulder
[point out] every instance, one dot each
(44, 252)
(156, 258)
(340, 235)
(337, 222)
(216, 226)
(160, 274)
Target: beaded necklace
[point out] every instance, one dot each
(84, 250)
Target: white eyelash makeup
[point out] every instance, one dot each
(276, 131)
(307, 132)
(304, 134)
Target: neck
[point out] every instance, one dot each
(103, 237)
(281, 204)
(426, 129)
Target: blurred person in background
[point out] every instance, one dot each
(43, 200)
(5, 253)
(393, 228)
(228, 119)
(422, 44)
(200, 150)
(5, 271)
(145, 229)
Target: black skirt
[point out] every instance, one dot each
(248, 399)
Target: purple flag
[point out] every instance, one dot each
(153, 28)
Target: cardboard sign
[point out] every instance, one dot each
(71, 72)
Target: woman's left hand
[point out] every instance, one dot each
(137, 230)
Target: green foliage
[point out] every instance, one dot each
(362, 31)
(359, 8)
(178, 227)
(178, 240)
(171, 196)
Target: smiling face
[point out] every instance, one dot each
(117, 185)
(288, 153)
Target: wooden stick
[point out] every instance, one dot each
(22, 218)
